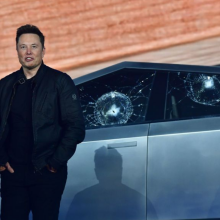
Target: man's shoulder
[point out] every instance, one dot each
(61, 77)
(10, 77)
(55, 72)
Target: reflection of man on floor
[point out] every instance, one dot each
(109, 199)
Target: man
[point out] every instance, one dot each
(40, 125)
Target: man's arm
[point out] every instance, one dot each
(72, 122)
(3, 158)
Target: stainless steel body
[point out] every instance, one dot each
(183, 180)
(169, 153)
(107, 174)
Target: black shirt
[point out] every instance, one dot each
(21, 142)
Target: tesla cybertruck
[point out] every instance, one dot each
(152, 146)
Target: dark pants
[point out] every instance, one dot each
(24, 191)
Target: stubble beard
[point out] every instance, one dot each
(31, 67)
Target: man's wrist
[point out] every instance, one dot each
(53, 163)
(2, 167)
(51, 169)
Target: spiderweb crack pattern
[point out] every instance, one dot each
(200, 88)
(119, 99)
(193, 94)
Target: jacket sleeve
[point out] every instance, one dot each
(72, 122)
(3, 154)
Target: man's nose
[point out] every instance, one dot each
(28, 51)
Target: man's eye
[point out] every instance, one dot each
(34, 46)
(23, 47)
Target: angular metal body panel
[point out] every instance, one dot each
(182, 180)
(108, 175)
(170, 161)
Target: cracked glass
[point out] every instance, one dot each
(118, 98)
(192, 95)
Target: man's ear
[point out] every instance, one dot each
(44, 51)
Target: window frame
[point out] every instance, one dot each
(155, 67)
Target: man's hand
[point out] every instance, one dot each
(51, 169)
(8, 167)
(2, 168)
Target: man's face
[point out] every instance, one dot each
(30, 51)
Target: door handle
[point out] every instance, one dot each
(123, 144)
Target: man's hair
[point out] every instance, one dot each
(29, 29)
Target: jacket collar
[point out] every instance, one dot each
(36, 79)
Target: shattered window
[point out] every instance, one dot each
(117, 98)
(192, 95)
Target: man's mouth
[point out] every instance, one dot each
(28, 59)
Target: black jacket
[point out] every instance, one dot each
(58, 124)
